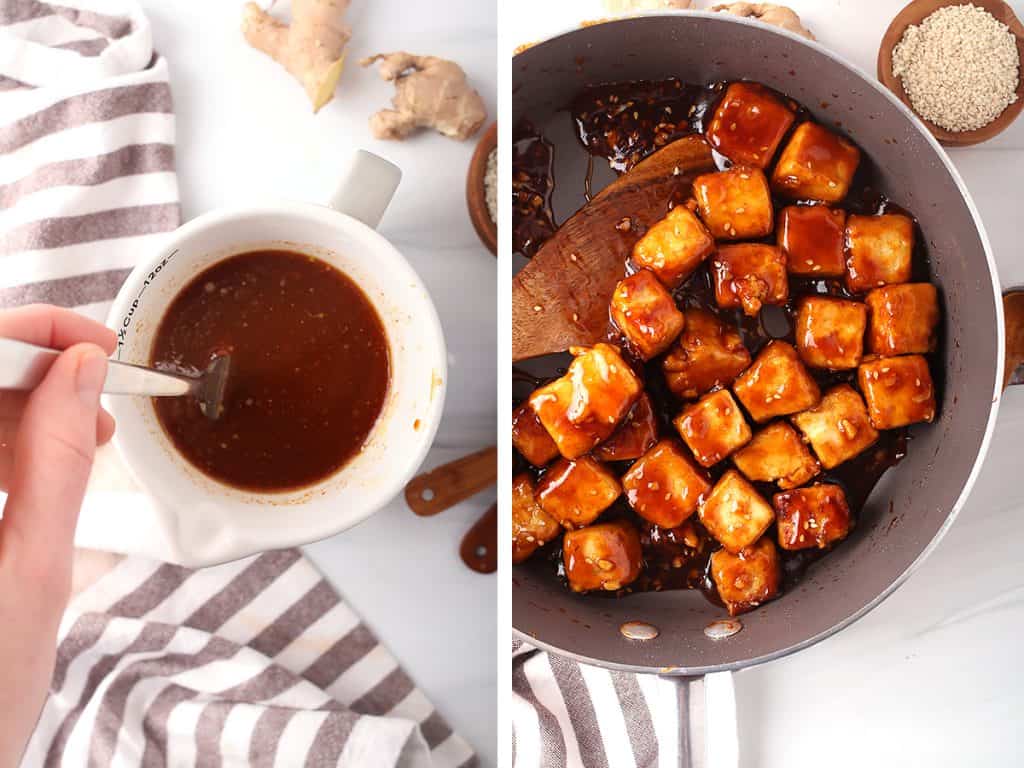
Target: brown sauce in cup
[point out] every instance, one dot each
(309, 369)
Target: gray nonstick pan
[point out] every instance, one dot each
(915, 502)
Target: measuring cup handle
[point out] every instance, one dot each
(366, 187)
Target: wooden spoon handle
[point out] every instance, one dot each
(479, 547)
(1013, 317)
(447, 485)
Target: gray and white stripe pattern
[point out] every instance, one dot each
(87, 182)
(571, 715)
(257, 663)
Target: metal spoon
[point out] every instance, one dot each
(23, 366)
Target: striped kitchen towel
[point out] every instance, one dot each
(571, 715)
(87, 182)
(87, 190)
(254, 663)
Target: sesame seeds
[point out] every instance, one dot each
(847, 429)
(959, 67)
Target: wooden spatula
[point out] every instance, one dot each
(560, 299)
(447, 485)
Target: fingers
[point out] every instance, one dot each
(104, 427)
(54, 327)
(12, 405)
(53, 455)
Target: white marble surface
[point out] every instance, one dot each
(245, 131)
(934, 676)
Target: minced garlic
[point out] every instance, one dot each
(959, 67)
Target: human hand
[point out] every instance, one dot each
(48, 438)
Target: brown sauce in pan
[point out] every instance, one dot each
(622, 123)
(309, 369)
(532, 182)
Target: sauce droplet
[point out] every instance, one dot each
(639, 630)
(723, 628)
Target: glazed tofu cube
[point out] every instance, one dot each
(879, 250)
(708, 354)
(777, 454)
(674, 247)
(635, 435)
(575, 493)
(777, 384)
(813, 239)
(530, 438)
(664, 486)
(830, 332)
(735, 204)
(584, 407)
(646, 314)
(532, 527)
(734, 513)
(749, 124)
(713, 427)
(903, 319)
(812, 517)
(749, 275)
(747, 580)
(605, 556)
(898, 391)
(838, 428)
(816, 164)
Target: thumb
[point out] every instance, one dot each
(53, 455)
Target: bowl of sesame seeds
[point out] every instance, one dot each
(957, 66)
(482, 189)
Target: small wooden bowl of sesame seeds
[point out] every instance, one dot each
(481, 189)
(964, 113)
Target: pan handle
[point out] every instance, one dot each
(708, 735)
(1013, 317)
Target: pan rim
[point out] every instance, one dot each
(997, 389)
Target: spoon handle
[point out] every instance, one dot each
(23, 366)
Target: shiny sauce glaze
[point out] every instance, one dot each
(532, 183)
(621, 124)
(309, 369)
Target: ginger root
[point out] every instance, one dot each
(776, 15)
(311, 48)
(429, 93)
(624, 6)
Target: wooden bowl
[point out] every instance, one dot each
(476, 193)
(915, 13)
